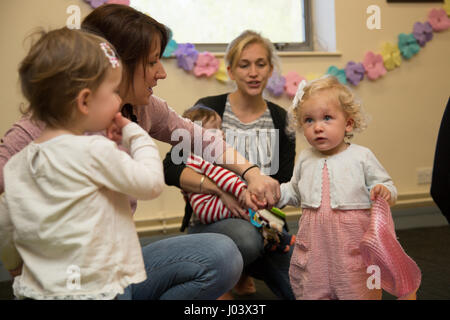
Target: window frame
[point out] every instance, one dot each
(307, 45)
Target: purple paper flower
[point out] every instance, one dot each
(206, 65)
(338, 73)
(438, 20)
(374, 65)
(276, 83)
(95, 3)
(423, 32)
(354, 72)
(186, 56)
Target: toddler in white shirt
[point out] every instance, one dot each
(65, 219)
(334, 182)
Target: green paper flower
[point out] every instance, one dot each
(338, 73)
(408, 45)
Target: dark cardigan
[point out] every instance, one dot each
(440, 181)
(173, 172)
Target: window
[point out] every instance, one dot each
(212, 24)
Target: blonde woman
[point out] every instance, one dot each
(256, 127)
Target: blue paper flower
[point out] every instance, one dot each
(354, 72)
(186, 56)
(338, 73)
(276, 83)
(172, 45)
(408, 45)
(423, 32)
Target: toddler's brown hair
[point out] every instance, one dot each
(57, 67)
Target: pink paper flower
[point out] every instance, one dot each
(207, 64)
(293, 79)
(374, 65)
(438, 19)
(124, 2)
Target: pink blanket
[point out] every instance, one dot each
(400, 275)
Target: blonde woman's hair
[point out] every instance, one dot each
(343, 94)
(57, 67)
(235, 48)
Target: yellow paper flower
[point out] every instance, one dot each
(312, 76)
(221, 74)
(447, 6)
(391, 56)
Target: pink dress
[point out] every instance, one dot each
(400, 275)
(326, 262)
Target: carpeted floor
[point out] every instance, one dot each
(429, 247)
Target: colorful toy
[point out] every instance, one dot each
(272, 226)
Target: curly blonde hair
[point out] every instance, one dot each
(343, 94)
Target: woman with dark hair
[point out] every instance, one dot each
(185, 267)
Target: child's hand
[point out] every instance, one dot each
(114, 131)
(233, 205)
(380, 191)
(16, 272)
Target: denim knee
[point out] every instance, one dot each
(246, 237)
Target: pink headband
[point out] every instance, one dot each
(109, 53)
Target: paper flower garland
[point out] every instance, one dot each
(447, 6)
(186, 56)
(206, 65)
(293, 79)
(408, 45)
(391, 56)
(354, 72)
(222, 74)
(374, 65)
(438, 20)
(97, 3)
(338, 73)
(172, 45)
(276, 83)
(423, 32)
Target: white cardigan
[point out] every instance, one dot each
(352, 174)
(66, 213)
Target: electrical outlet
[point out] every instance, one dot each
(424, 175)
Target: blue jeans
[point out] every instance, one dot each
(271, 267)
(200, 266)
